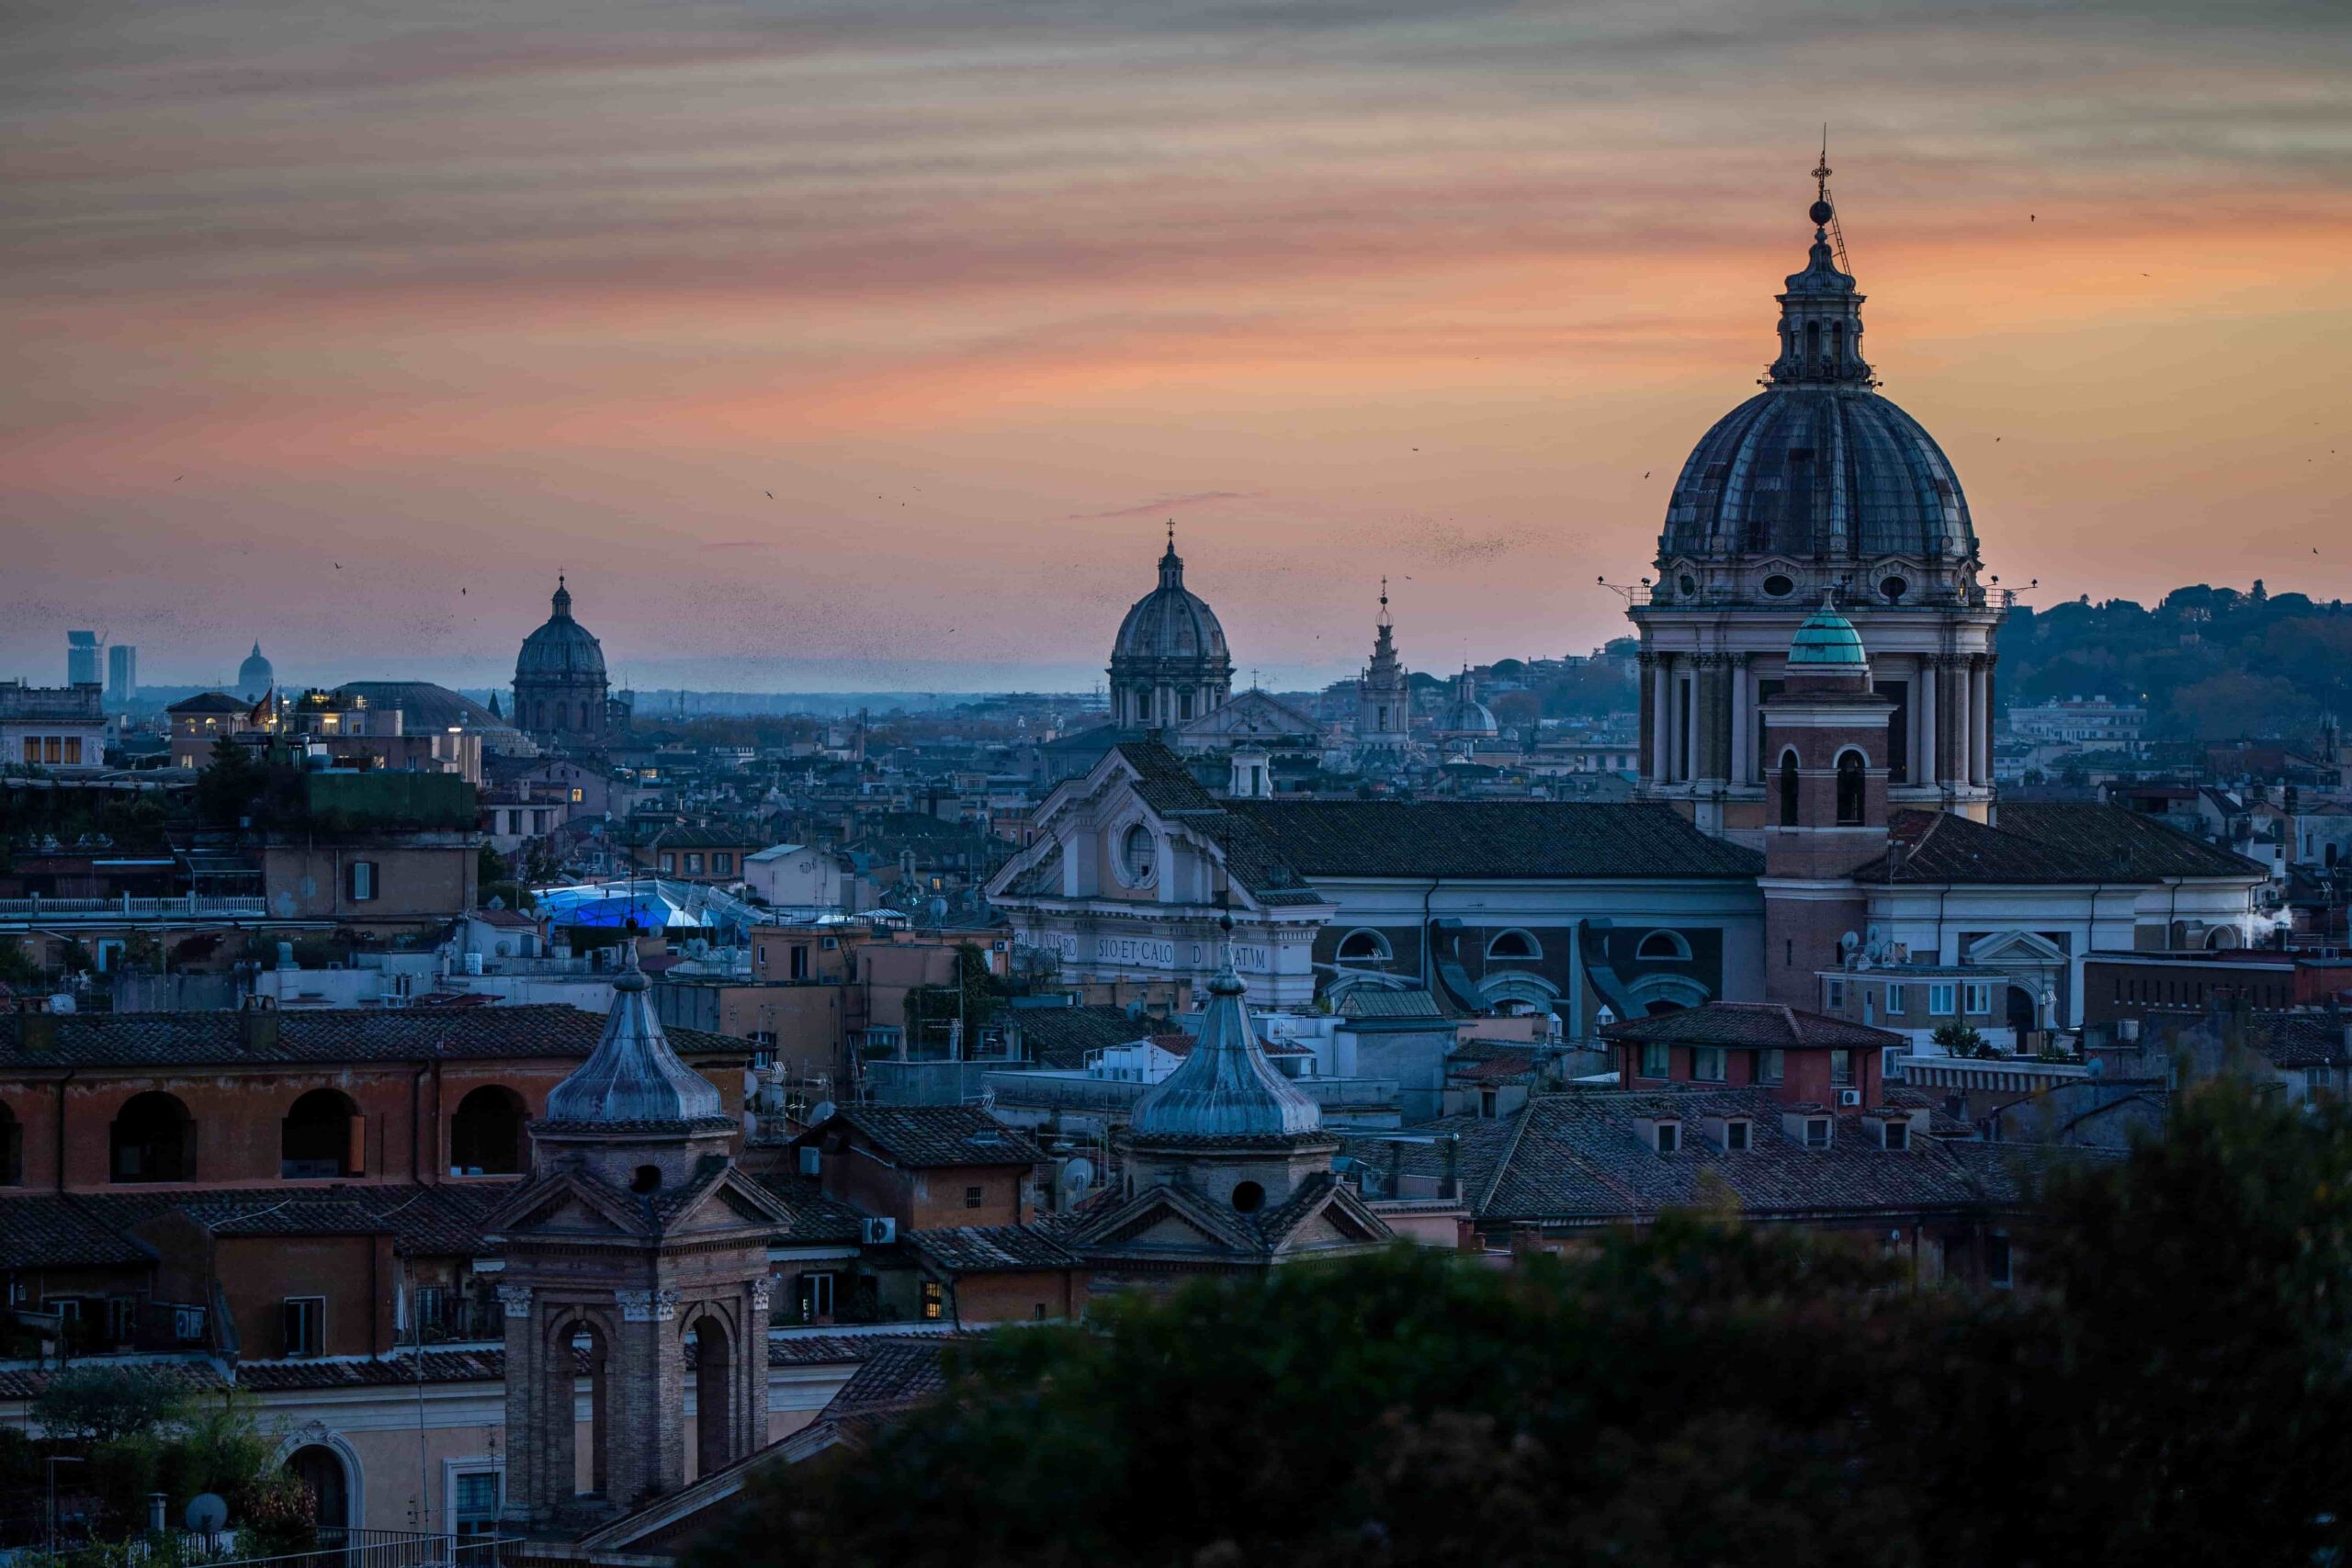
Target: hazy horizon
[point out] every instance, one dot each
(318, 319)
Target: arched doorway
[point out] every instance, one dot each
(152, 1139)
(320, 1469)
(486, 1135)
(323, 1135)
(2023, 1016)
(714, 1365)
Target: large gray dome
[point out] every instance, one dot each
(1171, 622)
(1817, 467)
(1817, 471)
(561, 649)
(254, 676)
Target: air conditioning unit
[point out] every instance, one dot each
(878, 1233)
(1849, 1097)
(812, 1160)
(833, 943)
(999, 947)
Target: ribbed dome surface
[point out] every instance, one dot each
(1806, 471)
(633, 1075)
(1171, 622)
(561, 649)
(1226, 1089)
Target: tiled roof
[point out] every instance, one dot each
(1375, 1001)
(92, 1229)
(817, 1220)
(325, 1034)
(899, 1375)
(1583, 1158)
(938, 1135)
(706, 837)
(2300, 1039)
(991, 1249)
(2038, 841)
(1492, 838)
(194, 1376)
(374, 1372)
(1061, 1037)
(820, 1349)
(1748, 1023)
(44, 1230)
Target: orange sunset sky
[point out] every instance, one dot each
(316, 315)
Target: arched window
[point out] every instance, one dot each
(1663, 944)
(562, 714)
(486, 1135)
(1788, 789)
(152, 1139)
(1514, 944)
(323, 1135)
(584, 717)
(1138, 855)
(1812, 341)
(1850, 789)
(12, 1148)
(1364, 947)
(539, 713)
(320, 1469)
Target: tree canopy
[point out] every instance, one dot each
(1704, 1392)
(2208, 664)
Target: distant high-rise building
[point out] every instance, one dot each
(83, 662)
(123, 673)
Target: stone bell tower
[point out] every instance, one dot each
(635, 1266)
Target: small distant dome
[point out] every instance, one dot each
(1827, 639)
(561, 649)
(1171, 622)
(254, 676)
(1465, 714)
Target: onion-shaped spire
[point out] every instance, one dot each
(633, 1075)
(1225, 1087)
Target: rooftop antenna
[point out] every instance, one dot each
(1821, 172)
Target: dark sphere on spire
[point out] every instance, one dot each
(1821, 211)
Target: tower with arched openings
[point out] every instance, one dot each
(634, 1268)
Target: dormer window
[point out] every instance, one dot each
(1670, 1137)
(1816, 1132)
(1735, 1136)
(1898, 1135)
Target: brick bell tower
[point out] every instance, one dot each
(636, 1266)
(1825, 735)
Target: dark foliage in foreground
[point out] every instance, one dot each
(1704, 1394)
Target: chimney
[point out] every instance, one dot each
(260, 1024)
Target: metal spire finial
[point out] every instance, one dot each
(1821, 171)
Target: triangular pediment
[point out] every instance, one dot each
(1163, 1219)
(2015, 947)
(567, 1202)
(1336, 1218)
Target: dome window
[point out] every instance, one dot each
(1248, 1197)
(1138, 855)
(1895, 588)
(1777, 586)
(1689, 585)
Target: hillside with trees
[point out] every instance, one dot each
(2208, 664)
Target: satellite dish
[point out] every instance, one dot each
(497, 901)
(821, 1111)
(206, 1513)
(1847, 942)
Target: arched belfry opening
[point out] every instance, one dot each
(633, 1256)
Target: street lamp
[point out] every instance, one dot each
(53, 1460)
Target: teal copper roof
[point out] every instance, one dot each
(1226, 1089)
(1827, 639)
